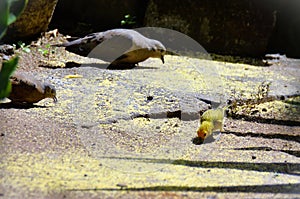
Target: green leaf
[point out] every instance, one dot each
(8, 68)
(9, 13)
(11, 18)
(26, 49)
(4, 12)
(2, 32)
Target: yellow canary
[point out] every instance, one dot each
(210, 121)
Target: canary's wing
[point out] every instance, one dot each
(215, 117)
(212, 115)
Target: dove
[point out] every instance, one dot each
(28, 90)
(117, 46)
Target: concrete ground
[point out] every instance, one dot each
(128, 133)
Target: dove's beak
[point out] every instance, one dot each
(162, 59)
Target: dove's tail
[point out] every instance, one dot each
(93, 38)
(71, 41)
(82, 46)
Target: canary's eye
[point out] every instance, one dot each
(204, 134)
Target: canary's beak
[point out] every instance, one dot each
(162, 59)
(54, 99)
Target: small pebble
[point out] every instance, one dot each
(122, 186)
(254, 112)
(149, 98)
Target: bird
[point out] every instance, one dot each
(120, 47)
(28, 90)
(210, 121)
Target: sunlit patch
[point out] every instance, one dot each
(143, 114)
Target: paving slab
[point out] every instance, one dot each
(128, 133)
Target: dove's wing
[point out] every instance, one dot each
(25, 88)
(113, 45)
(133, 47)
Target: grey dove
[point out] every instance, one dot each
(117, 46)
(26, 89)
